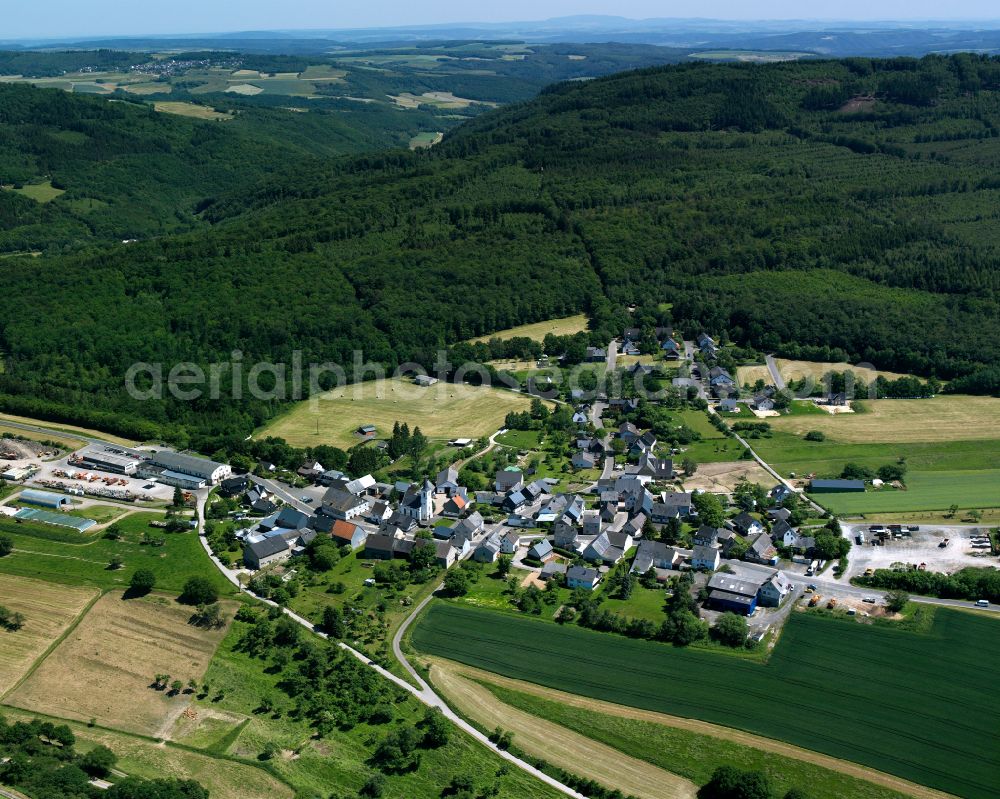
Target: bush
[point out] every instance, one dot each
(730, 629)
(6, 545)
(143, 581)
(815, 435)
(199, 591)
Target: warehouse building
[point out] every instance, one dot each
(834, 486)
(173, 466)
(44, 499)
(108, 459)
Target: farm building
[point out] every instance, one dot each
(58, 519)
(833, 486)
(265, 551)
(424, 380)
(727, 592)
(44, 499)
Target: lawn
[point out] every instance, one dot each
(425, 139)
(442, 411)
(867, 694)
(538, 330)
(672, 744)
(49, 553)
(190, 110)
(48, 611)
(224, 778)
(645, 603)
(103, 669)
(340, 758)
(521, 439)
(924, 491)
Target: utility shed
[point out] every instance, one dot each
(833, 486)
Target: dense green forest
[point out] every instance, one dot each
(810, 207)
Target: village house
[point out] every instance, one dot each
(761, 550)
(508, 480)
(509, 543)
(745, 524)
(672, 505)
(341, 504)
(609, 547)
(656, 555)
(564, 535)
(705, 557)
(344, 532)
(540, 550)
(489, 550)
(582, 577)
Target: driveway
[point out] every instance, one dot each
(612, 355)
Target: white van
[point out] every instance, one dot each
(983, 603)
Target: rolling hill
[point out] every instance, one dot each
(825, 209)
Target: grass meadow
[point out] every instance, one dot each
(58, 555)
(867, 694)
(442, 411)
(539, 330)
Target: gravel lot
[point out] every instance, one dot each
(921, 547)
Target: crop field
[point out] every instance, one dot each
(190, 110)
(441, 411)
(138, 757)
(62, 556)
(943, 418)
(48, 611)
(685, 747)
(924, 491)
(748, 375)
(871, 695)
(104, 667)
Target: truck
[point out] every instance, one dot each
(812, 568)
(860, 537)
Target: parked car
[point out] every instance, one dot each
(869, 599)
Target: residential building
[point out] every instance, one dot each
(705, 557)
(344, 532)
(540, 550)
(267, 550)
(489, 550)
(509, 543)
(582, 577)
(341, 504)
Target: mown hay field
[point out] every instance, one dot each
(952, 417)
(538, 330)
(48, 611)
(441, 411)
(104, 668)
(871, 695)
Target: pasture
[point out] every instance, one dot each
(104, 667)
(539, 330)
(687, 748)
(925, 491)
(950, 417)
(48, 611)
(425, 139)
(871, 695)
(192, 110)
(59, 555)
(442, 411)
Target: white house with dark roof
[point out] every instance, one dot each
(582, 577)
(341, 504)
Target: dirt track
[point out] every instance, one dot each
(558, 745)
(447, 673)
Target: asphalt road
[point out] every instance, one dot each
(779, 381)
(612, 355)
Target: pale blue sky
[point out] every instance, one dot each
(60, 18)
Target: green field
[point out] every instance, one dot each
(924, 491)
(441, 411)
(43, 192)
(872, 695)
(692, 754)
(56, 555)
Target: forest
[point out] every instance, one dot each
(821, 206)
